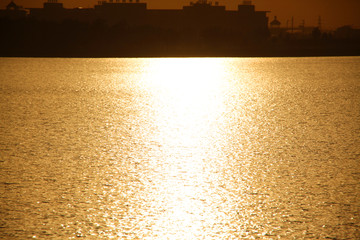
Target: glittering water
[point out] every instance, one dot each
(199, 148)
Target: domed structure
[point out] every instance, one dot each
(275, 23)
(13, 6)
(13, 11)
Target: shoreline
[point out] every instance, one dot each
(188, 54)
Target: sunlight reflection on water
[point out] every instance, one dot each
(192, 148)
(187, 97)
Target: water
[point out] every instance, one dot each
(203, 148)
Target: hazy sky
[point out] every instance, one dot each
(334, 13)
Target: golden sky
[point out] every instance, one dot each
(334, 13)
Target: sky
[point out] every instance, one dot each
(333, 13)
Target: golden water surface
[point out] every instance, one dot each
(187, 148)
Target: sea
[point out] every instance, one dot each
(180, 148)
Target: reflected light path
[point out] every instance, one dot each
(182, 166)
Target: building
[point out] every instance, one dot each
(13, 11)
(54, 11)
(197, 16)
(275, 23)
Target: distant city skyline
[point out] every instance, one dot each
(333, 13)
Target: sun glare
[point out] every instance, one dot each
(187, 97)
(187, 80)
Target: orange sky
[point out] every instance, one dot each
(334, 13)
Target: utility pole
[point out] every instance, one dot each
(303, 25)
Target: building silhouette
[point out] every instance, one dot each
(195, 17)
(13, 11)
(127, 28)
(275, 23)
